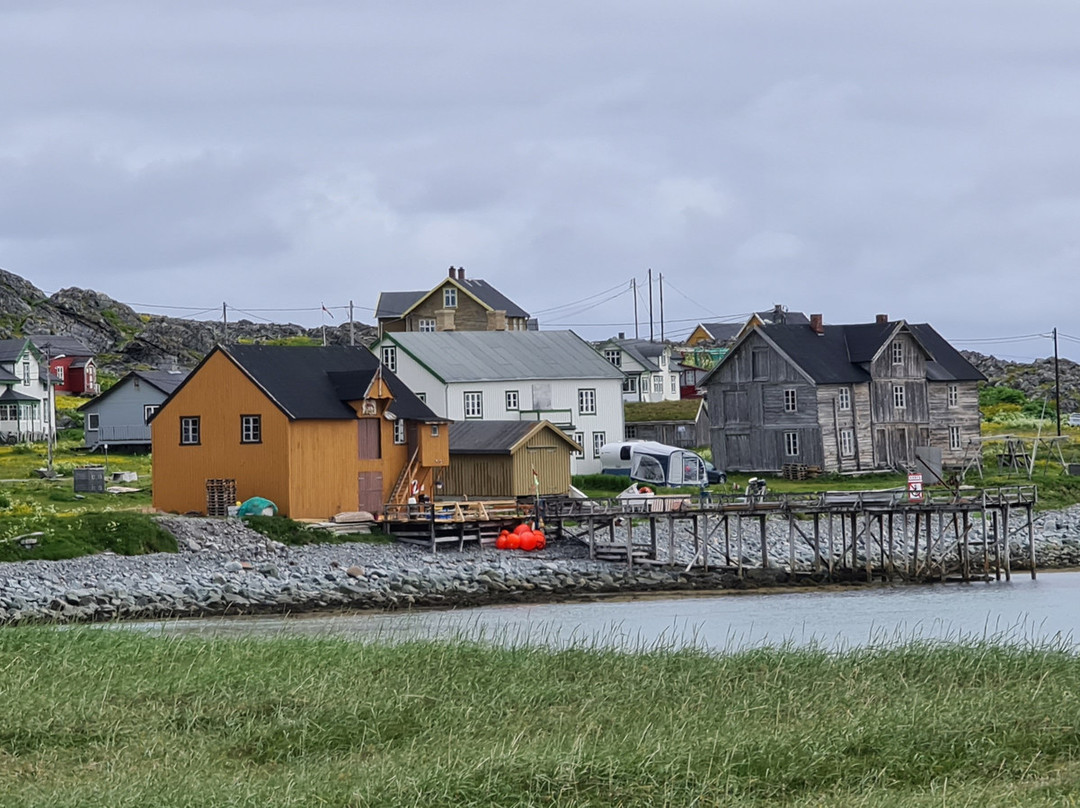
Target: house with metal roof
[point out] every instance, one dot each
(71, 362)
(496, 459)
(843, 398)
(514, 376)
(316, 430)
(121, 415)
(650, 372)
(457, 303)
(25, 403)
(726, 333)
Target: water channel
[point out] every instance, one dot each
(1023, 611)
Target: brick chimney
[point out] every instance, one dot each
(461, 273)
(452, 271)
(816, 324)
(882, 319)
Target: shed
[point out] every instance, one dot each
(498, 459)
(683, 423)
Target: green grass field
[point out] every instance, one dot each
(93, 717)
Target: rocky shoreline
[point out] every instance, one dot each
(224, 568)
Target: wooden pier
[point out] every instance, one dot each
(454, 522)
(831, 535)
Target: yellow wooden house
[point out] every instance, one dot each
(317, 431)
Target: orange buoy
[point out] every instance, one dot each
(528, 541)
(513, 541)
(501, 542)
(541, 540)
(521, 528)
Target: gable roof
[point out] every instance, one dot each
(477, 356)
(316, 383)
(12, 349)
(722, 332)
(645, 352)
(162, 380)
(56, 345)
(397, 304)
(11, 394)
(499, 437)
(842, 354)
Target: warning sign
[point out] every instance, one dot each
(914, 488)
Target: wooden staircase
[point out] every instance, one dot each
(400, 494)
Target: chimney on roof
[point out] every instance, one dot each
(622, 335)
(452, 271)
(816, 324)
(461, 273)
(882, 319)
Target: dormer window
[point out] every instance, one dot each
(449, 297)
(897, 352)
(614, 356)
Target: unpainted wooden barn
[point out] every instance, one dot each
(497, 459)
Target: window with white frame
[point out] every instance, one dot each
(899, 399)
(614, 356)
(629, 384)
(791, 444)
(791, 400)
(399, 432)
(26, 372)
(449, 297)
(954, 437)
(598, 440)
(897, 352)
(148, 411)
(60, 373)
(434, 430)
(658, 384)
(674, 384)
(474, 405)
(189, 430)
(251, 429)
(954, 395)
(389, 358)
(586, 402)
(843, 398)
(426, 325)
(91, 420)
(512, 401)
(422, 397)
(579, 439)
(630, 431)
(847, 442)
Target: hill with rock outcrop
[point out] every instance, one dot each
(124, 339)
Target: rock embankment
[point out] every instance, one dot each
(222, 567)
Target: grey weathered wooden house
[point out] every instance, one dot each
(842, 397)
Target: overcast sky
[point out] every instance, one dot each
(916, 158)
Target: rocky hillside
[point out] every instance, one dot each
(1035, 379)
(125, 339)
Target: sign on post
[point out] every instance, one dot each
(914, 488)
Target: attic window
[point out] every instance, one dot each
(389, 358)
(449, 298)
(897, 352)
(614, 356)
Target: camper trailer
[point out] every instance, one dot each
(656, 463)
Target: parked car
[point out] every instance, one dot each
(716, 477)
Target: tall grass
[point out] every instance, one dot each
(96, 717)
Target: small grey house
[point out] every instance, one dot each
(683, 423)
(120, 416)
(841, 397)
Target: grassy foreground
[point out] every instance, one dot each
(97, 717)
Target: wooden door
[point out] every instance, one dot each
(369, 485)
(368, 442)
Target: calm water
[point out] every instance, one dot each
(1023, 611)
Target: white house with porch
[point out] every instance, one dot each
(25, 406)
(514, 376)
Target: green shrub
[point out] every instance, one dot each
(990, 395)
(601, 482)
(120, 532)
(287, 531)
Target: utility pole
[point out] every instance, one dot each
(50, 427)
(650, 307)
(225, 321)
(633, 286)
(1057, 385)
(661, 306)
(352, 334)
